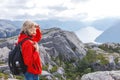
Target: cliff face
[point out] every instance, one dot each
(56, 42)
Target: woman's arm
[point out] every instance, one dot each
(38, 35)
(27, 52)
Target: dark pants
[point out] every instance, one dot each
(30, 76)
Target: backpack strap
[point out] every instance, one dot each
(20, 43)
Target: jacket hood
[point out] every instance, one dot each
(35, 38)
(22, 36)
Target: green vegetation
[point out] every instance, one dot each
(84, 66)
(92, 57)
(116, 60)
(110, 49)
(4, 76)
(103, 60)
(2, 63)
(42, 78)
(19, 77)
(45, 67)
(2, 40)
(54, 69)
(70, 71)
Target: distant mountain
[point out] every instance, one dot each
(7, 29)
(9, 33)
(65, 25)
(105, 23)
(71, 25)
(9, 26)
(6, 24)
(17, 23)
(110, 35)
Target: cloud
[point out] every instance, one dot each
(85, 10)
(14, 4)
(77, 1)
(35, 17)
(24, 8)
(11, 8)
(88, 34)
(57, 8)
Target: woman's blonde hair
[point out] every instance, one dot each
(26, 26)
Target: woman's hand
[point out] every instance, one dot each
(36, 46)
(37, 26)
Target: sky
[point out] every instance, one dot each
(64, 10)
(80, 10)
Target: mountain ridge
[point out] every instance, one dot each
(110, 35)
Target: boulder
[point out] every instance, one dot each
(102, 75)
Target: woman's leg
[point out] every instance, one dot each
(36, 77)
(30, 76)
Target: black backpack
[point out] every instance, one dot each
(15, 60)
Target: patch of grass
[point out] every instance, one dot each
(54, 69)
(45, 67)
(103, 60)
(116, 60)
(42, 78)
(20, 77)
(4, 76)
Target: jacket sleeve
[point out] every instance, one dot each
(38, 35)
(27, 52)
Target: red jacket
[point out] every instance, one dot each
(31, 57)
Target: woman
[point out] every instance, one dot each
(30, 49)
